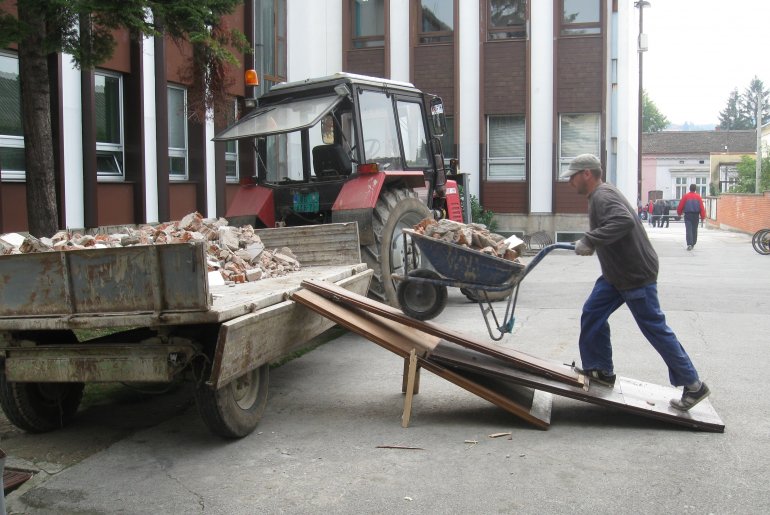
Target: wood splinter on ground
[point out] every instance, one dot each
(498, 435)
(407, 447)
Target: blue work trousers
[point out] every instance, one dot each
(691, 221)
(595, 345)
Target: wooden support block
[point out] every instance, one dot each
(416, 388)
(409, 388)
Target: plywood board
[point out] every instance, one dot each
(631, 395)
(399, 339)
(513, 357)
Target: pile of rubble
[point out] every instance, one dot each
(237, 253)
(474, 236)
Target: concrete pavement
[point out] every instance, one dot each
(316, 448)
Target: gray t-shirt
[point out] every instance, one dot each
(624, 250)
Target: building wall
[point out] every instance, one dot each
(743, 212)
(540, 77)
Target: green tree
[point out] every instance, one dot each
(652, 119)
(733, 117)
(747, 176)
(751, 97)
(83, 29)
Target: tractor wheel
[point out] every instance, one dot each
(234, 410)
(39, 407)
(396, 209)
(420, 300)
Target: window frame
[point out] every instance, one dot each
(371, 40)
(274, 61)
(179, 152)
(593, 28)
(232, 156)
(507, 160)
(439, 37)
(564, 160)
(113, 148)
(520, 30)
(12, 141)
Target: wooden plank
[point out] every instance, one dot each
(631, 395)
(329, 244)
(409, 389)
(515, 358)
(400, 340)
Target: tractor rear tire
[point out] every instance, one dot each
(39, 407)
(396, 209)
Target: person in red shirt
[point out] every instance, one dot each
(692, 207)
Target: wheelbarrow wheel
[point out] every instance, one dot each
(492, 296)
(421, 300)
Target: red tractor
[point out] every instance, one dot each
(348, 148)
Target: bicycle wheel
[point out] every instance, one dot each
(761, 241)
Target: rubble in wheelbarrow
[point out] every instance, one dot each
(474, 236)
(237, 253)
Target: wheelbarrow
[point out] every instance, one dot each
(422, 292)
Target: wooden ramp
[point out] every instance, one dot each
(489, 370)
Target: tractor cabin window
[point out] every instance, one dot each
(11, 130)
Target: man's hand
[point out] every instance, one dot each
(583, 249)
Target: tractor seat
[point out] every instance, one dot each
(331, 161)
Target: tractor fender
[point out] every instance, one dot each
(359, 195)
(251, 200)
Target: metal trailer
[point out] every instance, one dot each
(163, 320)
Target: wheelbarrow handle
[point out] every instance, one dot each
(543, 252)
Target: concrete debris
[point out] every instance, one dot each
(237, 253)
(474, 236)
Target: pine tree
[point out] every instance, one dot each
(732, 117)
(751, 97)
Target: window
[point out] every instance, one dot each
(728, 177)
(108, 100)
(177, 133)
(701, 185)
(506, 19)
(11, 129)
(270, 47)
(410, 120)
(378, 127)
(506, 148)
(231, 147)
(436, 21)
(580, 17)
(680, 186)
(368, 19)
(578, 134)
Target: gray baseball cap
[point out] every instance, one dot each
(582, 162)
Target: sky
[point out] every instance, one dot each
(700, 51)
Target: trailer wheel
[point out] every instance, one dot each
(396, 209)
(234, 410)
(420, 300)
(39, 407)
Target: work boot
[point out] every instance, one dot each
(598, 376)
(690, 397)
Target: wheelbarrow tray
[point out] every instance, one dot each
(458, 263)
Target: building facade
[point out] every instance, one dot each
(672, 160)
(527, 85)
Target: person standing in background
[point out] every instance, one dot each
(650, 211)
(691, 206)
